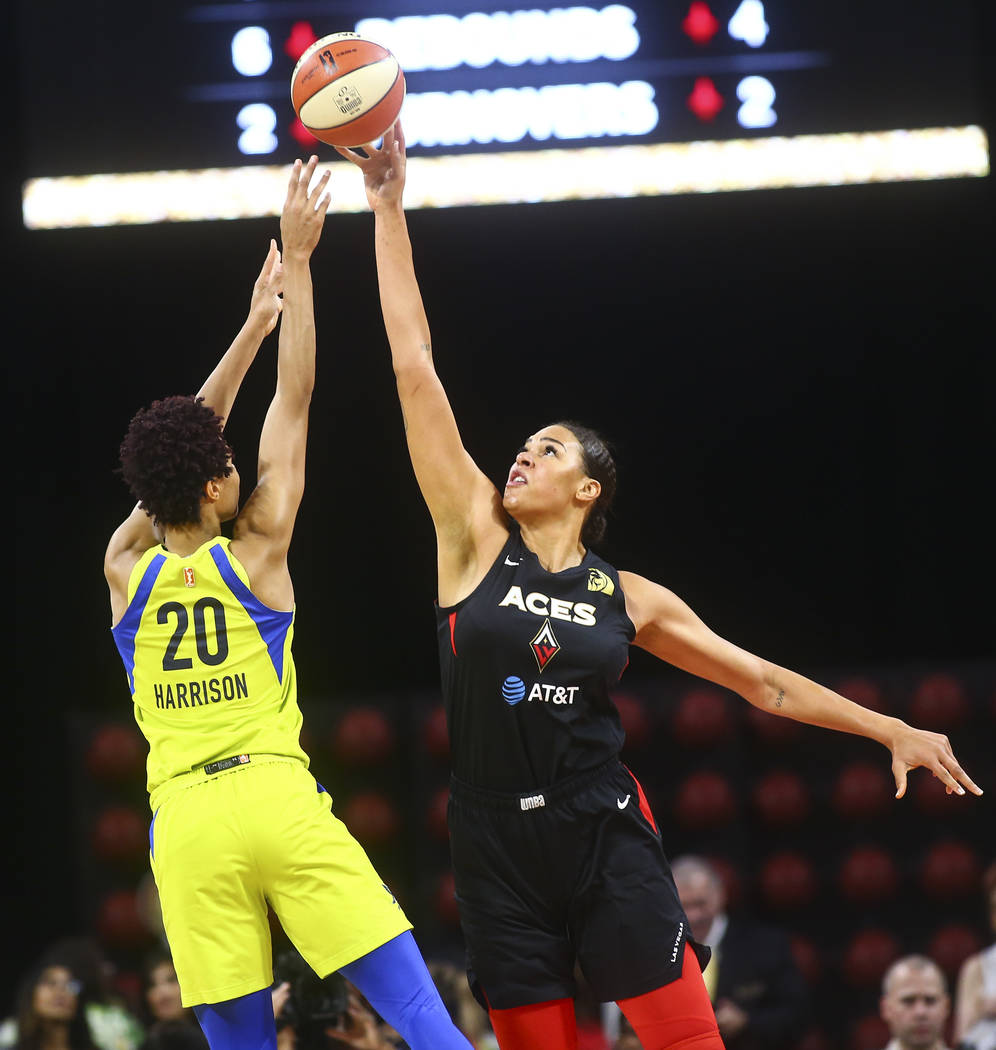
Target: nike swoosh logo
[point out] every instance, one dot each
(508, 561)
(622, 803)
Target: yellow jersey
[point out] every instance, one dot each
(208, 664)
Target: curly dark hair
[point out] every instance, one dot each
(599, 464)
(171, 450)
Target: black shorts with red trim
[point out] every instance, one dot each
(572, 873)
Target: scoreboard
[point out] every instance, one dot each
(195, 85)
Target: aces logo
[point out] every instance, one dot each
(544, 645)
(598, 581)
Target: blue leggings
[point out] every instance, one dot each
(398, 986)
(245, 1023)
(394, 980)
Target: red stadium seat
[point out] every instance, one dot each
(781, 798)
(868, 874)
(119, 922)
(121, 836)
(364, 736)
(868, 955)
(371, 817)
(116, 755)
(702, 719)
(950, 869)
(705, 800)
(939, 703)
(951, 945)
(788, 880)
(863, 791)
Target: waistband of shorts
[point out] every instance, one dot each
(534, 798)
(214, 771)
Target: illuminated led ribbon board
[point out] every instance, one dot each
(522, 177)
(510, 106)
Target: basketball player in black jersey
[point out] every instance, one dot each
(556, 854)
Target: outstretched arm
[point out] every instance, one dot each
(263, 529)
(223, 384)
(464, 504)
(667, 627)
(136, 534)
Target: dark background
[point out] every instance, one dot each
(799, 385)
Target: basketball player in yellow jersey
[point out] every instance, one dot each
(204, 627)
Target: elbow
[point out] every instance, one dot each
(763, 689)
(410, 378)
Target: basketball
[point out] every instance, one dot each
(347, 90)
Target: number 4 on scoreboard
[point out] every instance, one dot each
(748, 24)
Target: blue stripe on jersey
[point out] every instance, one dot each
(126, 628)
(272, 624)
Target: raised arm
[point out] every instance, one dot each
(465, 506)
(263, 529)
(223, 384)
(667, 628)
(136, 534)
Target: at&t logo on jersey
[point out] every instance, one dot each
(513, 689)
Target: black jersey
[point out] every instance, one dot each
(527, 662)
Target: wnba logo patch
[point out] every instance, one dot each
(513, 689)
(598, 581)
(188, 576)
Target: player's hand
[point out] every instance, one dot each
(358, 1027)
(730, 1019)
(266, 304)
(303, 214)
(280, 995)
(916, 747)
(383, 169)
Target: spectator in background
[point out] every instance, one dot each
(112, 1024)
(464, 1010)
(109, 1023)
(975, 998)
(758, 992)
(50, 1013)
(915, 1004)
(165, 1015)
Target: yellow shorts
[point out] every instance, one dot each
(225, 846)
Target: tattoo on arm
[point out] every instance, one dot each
(427, 347)
(780, 698)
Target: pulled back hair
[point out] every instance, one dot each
(599, 464)
(170, 452)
